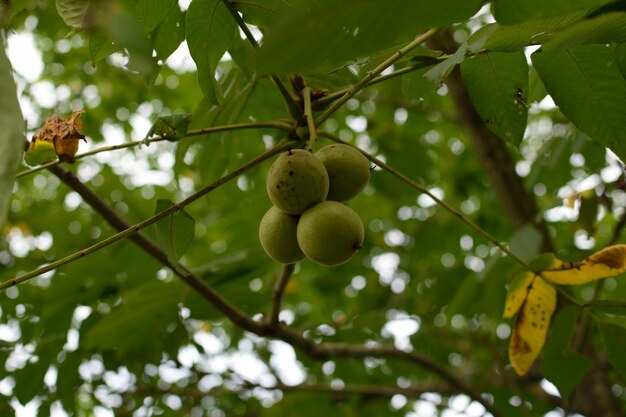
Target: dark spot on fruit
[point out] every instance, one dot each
(291, 173)
(278, 187)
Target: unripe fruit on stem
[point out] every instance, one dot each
(277, 233)
(296, 181)
(348, 171)
(330, 233)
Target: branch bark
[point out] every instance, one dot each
(276, 330)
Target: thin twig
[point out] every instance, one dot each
(308, 113)
(372, 74)
(437, 200)
(272, 124)
(368, 390)
(327, 99)
(279, 291)
(139, 226)
(325, 351)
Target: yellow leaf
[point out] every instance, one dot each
(531, 326)
(515, 297)
(607, 262)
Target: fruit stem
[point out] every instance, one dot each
(308, 113)
(277, 293)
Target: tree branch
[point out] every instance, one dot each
(272, 124)
(142, 225)
(274, 329)
(277, 293)
(308, 114)
(414, 391)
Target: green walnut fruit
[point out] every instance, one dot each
(348, 171)
(278, 235)
(330, 233)
(296, 181)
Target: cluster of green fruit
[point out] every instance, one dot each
(308, 218)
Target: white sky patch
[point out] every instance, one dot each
(357, 123)
(181, 61)
(426, 201)
(401, 330)
(386, 265)
(248, 366)
(284, 362)
(24, 56)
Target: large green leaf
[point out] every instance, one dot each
(140, 322)
(73, 12)
(606, 28)
(150, 13)
(175, 232)
(170, 33)
(29, 379)
(210, 31)
(512, 38)
(327, 33)
(614, 338)
(498, 86)
(262, 13)
(559, 364)
(589, 89)
(515, 11)
(11, 134)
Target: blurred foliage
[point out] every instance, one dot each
(120, 331)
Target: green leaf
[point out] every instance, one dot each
(170, 33)
(15, 7)
(526, 242)
(29, 379)
(141, 321)
(440, 72)
(513, 38)
(585, 83)
(210, 32)
(416, 86)
(124, 31)
(172, 128)
(176, 232)
(620, 57)
(498, 86)
(262, 13)
(73, 12)
(325, 34)
(11, 134)
(100, 47)
(515, 11)
(150, 13)
(603, 29)
(68, 379)
(559, 364)
(614, 338)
